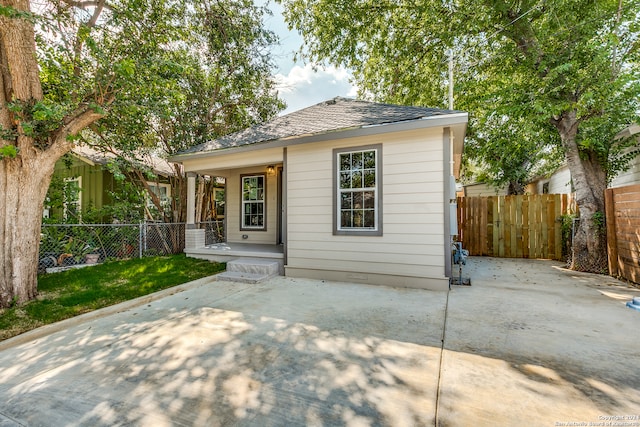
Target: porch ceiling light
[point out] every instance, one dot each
(271, 170)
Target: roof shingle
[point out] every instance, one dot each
(328, 116)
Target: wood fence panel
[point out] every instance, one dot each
(512, 226)
(525, 227)
(558, 230)
(502, 225)
(495, 225)
(518, 242)
(623, 231)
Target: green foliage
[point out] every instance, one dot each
(519, 66)
(62, 201)
(12, 13)
(9, 151)
(567, 233)
(215, 81)
(599, 221)
(162, 72)
(124, 205)
(73, 292)
(127, 204)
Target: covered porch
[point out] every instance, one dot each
(254, 224)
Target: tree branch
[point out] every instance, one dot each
(73, 124)
(77, 49)
(86, 4)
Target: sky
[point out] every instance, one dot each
(298, 84)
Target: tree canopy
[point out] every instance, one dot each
(124, 73)
(538, 78)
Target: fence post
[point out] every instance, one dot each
(610, 221)
(145, 236)
(140, 239)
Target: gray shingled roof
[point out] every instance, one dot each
(328, 116)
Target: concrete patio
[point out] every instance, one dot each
(527, 344)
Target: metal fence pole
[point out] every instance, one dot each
(140, 237)
(145, 236)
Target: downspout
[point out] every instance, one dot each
(446, 202)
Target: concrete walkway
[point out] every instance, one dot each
(527, 344)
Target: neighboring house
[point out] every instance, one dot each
(558, 183)
(88, 183)
(481, 189)
(628, 177)
(345, 190)
(632, 175)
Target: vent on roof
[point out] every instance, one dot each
(331, 101)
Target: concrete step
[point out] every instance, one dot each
(254, 266)
(238, 276)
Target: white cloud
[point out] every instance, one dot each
(305, 86)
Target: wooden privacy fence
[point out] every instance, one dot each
(623, 231)
(513, 226)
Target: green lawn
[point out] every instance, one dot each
(72, 292)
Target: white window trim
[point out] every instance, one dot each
(337, 191)
(152, 184)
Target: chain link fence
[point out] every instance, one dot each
(67, 245)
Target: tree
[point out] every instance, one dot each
(65, 67)
(513, 168)
(223, 84)
(564, 71)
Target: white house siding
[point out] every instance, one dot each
(410, 251)
(483, 190)
(628, 177)
(559, 182)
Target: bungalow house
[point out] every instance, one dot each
(345, 190)
(88, 182)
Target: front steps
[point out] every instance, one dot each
(250, 270)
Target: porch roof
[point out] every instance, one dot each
(328, 117)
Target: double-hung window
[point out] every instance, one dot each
(253, 202)
(357, 189)
(163, 191)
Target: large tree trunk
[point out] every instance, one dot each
(23, 179)
(25, 175)
(589, 249)
(23, 185)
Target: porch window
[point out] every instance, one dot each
(357, 187)
(163, 191)
(253, 202)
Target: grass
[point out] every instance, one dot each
(73, 292)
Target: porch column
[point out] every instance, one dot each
(194, 238)
(191, 199)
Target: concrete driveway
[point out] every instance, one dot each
(527, 344)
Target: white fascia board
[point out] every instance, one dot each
(422, 123)
(83, 159)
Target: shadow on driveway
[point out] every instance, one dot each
(288, 352)
(528, 344)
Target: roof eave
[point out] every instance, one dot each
(459, 118)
